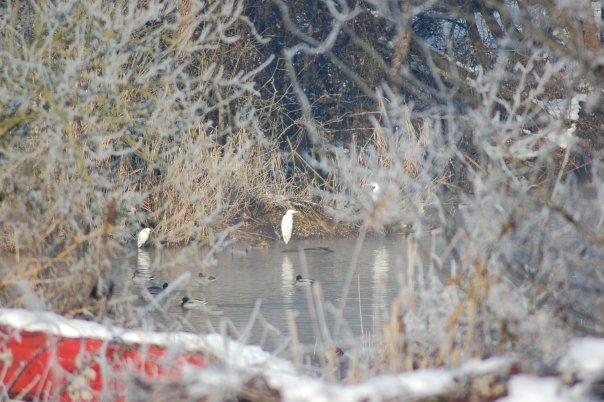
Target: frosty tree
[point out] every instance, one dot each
(117, 115)
(482, 121)
(479, 120)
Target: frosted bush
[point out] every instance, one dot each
(475, 144)
(117, 116)
(473, 120)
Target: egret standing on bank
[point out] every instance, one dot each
(142, 237)
(287, 224)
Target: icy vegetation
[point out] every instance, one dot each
(475, 130)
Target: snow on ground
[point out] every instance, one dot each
(236, 363)
(527, 388)
(417, 384)
(228, 351)
(585, 359)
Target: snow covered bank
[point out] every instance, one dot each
(85, 360)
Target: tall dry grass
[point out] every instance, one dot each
(121, 115)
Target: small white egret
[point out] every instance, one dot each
(303, 281)
(375, 193)
(143, 236)
(287, 224)
(190, 304)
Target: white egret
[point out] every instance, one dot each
(303, 281)
(287, 224)
(190, 304)
(375, 193)
(142, 237)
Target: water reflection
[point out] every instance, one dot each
(288, 289)
(142, 274)
(380, 268)
(246, 279)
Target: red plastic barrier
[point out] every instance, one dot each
(39, 366)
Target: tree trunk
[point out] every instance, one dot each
(481, 51)
(184, 33)
(591, 36)
(401, 47)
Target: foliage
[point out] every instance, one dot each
(478, 143)
(479, 120)
(117, 116)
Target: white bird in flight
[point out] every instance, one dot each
(287, 224)
(142, 237)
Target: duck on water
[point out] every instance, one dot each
(303, 281)
(190, 304)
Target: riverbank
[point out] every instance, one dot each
(264, 226)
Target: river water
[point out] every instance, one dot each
(254, 297)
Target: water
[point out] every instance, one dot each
(255, 289)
